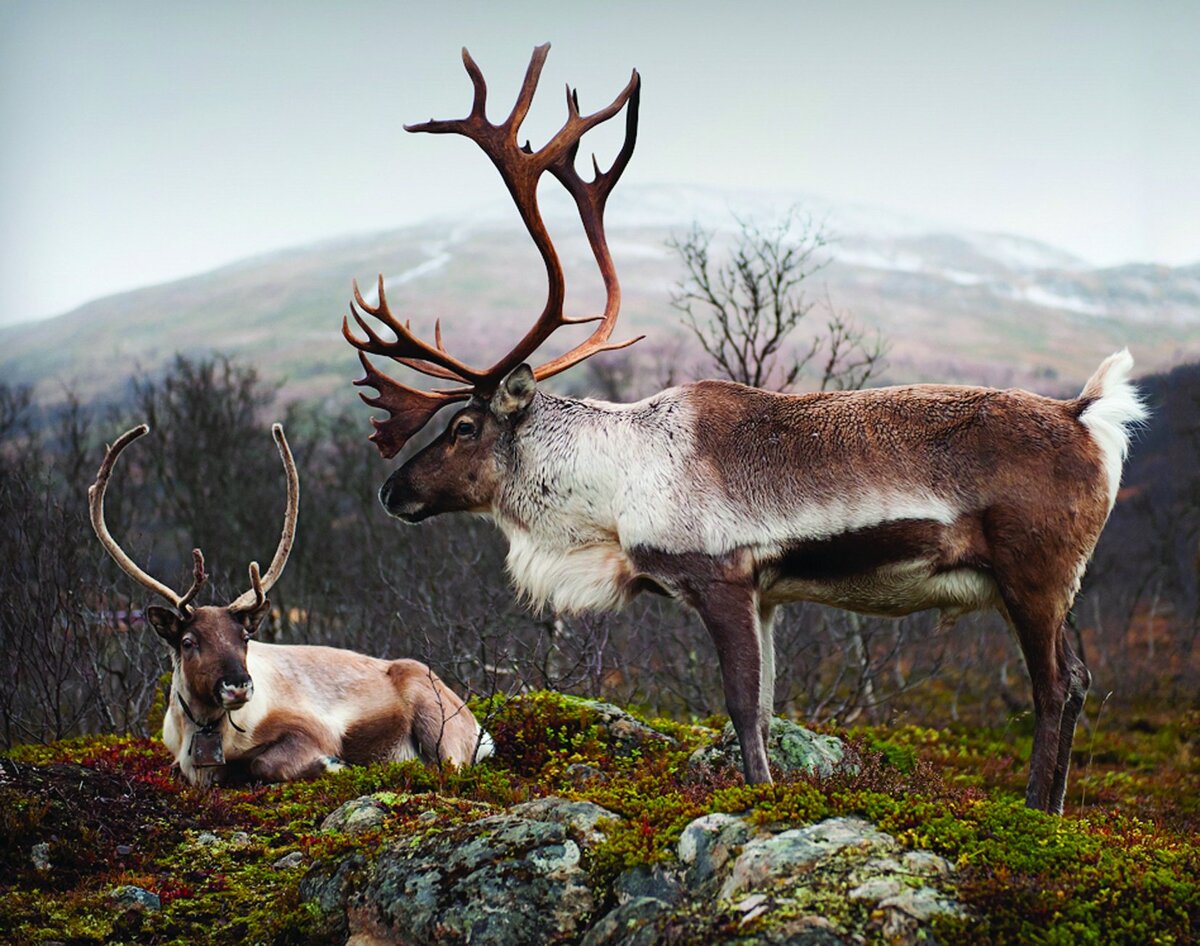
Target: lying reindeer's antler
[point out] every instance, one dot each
(521, 168)
(183, 603)
(254, 597)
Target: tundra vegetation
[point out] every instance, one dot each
(906, 825)
(940, 721)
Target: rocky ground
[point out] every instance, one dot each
(591, 826)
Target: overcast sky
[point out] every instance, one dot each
(143, 141)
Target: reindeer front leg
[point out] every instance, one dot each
(766, 687)
(730, 611)
(286, 754)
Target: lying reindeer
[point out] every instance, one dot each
(300, 710)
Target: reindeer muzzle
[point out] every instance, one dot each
(397, 498)
(234, 694)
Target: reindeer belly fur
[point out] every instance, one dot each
(892, 568)
(894, 590)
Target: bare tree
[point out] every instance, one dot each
(749, 310)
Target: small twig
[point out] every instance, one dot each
(1091, 753)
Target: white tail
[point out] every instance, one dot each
(1115, 407)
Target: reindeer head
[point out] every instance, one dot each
(209, 643)
(462, 469)
(209, 647)
(459, 471)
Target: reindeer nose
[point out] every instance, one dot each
(392, 492)
(397, 497)
(235, 693)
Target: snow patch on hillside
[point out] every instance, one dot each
(1020, 253)
(439, 252)
(902, 261)
(1049, 299)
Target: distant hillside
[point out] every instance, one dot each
(956, 306)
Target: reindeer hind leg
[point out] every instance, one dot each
(295, 754)
(1038, 638)
(443, 727)
(1034, 561)
(1079, 681)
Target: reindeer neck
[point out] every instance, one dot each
(602, 445)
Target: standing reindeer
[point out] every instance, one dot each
(736, 500)
(300, 710)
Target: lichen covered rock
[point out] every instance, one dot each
(136, 898)
(584, 819)
(790, 748)
(763, 868)
(359, 814)
(838, 881)
(504, 879)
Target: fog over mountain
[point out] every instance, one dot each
(955, 305)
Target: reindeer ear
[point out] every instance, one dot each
(251, 618)
(515, 393)
(166, 623)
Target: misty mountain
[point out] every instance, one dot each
(955, 305)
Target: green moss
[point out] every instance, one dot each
(1125, 870)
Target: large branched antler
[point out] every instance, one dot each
(520, 168)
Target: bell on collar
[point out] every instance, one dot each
(206, 750)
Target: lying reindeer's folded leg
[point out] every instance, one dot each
(443, 727)
(295, 754)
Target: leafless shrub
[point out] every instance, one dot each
(750, 311)
(70, 664)
(79, 659)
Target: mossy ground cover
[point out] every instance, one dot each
(1122, 867)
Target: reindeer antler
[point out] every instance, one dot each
(182, 603)
(520, 168)
(254, 597)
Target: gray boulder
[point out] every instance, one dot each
(136, 898)
(839, 881)
(39, 856)
(289, 861)
(503, 880)
(582, 818)
(625, 731)
(790, 748)
(359, 814)
(707, 844)
(648, 880)
(779, 857)
(630, 924)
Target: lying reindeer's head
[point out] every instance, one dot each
(210, 642)
(209, 647)
(462, 469)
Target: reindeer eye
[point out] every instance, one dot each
(187, 643)
(464, 428)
